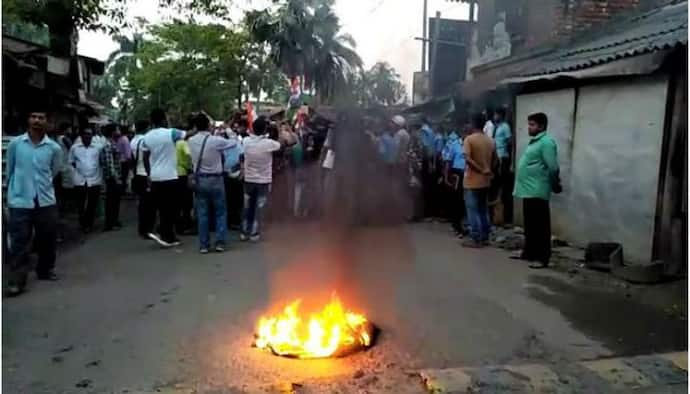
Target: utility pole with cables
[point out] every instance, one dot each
(434, 49)
(424, 37)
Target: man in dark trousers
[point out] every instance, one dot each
(453, 176)
(84, 157)
(111, 168)
(33, 161)
(480, 155)
(160, 162)
(535, 179)
(146, 212)
(503, 137)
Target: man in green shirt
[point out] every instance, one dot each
(536, 177)
(183, 218)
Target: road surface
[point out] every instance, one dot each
(130, 317)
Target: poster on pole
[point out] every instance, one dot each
(421, 89)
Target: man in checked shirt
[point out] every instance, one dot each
(110, 165)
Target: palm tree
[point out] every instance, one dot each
(335, 59)
(305, 41)
(128, 47)
(119, 65)
(384, 84)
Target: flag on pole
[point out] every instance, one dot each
(295, 94)
(294, 101)
(250, 116)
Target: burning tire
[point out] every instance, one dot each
(331, 332)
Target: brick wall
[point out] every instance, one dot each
(575, 16)
(535, 22)
(539, 16)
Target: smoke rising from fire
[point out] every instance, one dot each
(358, 244)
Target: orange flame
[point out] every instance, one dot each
(326, 332)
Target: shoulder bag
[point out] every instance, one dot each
(192, 180)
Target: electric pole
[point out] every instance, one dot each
(434, 49)
(424, 28)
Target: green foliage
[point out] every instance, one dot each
(37, 34)
(384, 84)
(380, 85)
(304, 40)
(186, 67)
(104, 15)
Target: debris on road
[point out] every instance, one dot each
(84, 383)
(508, 238)
(65, 349)
(603, 255)
(284, 388)
(446, 380)
(614, 374)
(642, 273)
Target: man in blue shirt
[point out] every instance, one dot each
(232, 180)
(429, 141)
(387, 147)
(33, 161)
(503, 137)
(454, 159)
(427, 136)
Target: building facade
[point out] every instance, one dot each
(616, 97)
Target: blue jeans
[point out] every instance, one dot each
(478, 213)
(210, 190)
(255, 198)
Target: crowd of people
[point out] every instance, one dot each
(204, 179)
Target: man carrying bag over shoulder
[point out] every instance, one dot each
(207, 181)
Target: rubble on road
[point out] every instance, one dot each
(508, 238)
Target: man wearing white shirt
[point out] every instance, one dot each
(84, 157)
(258, 173)
(160, 161)
(140, 185)
(489, 126)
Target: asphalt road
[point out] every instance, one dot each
(129, 317)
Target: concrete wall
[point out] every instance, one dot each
(559, 106)
(616, 160)
(610, 160)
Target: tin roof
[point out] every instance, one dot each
(662, 28)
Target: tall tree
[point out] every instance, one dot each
(65, 17)
(187, 67)
(380, 85)
(259, 75)
(384, 84)
(112, 86)
(304, 39)
(335, 60)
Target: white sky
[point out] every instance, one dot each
(384, 29)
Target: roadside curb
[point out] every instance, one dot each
(622, 374)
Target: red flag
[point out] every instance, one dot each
(250, 116)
